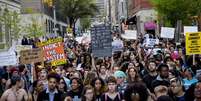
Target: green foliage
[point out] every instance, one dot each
(11, 22)
(34, 29)
(85, 23)
(172, 10)
(75, 9)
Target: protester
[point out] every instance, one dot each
(112, 94)
(177, 89)
(121, 81)
(43, 77)
(99, 87)
(136, 92)
(88, 93)
(133, 75)
(15, 93)
(76, 89)
(189, 78)
(162, 78)
(151, 76)
(51, 93)
(37, 87)
(62, 86)
(197, 92)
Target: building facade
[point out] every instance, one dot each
(140, 12)
(6, 6)
(44, 12)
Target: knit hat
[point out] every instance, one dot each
(118, 74)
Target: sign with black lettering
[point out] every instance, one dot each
(101, 40)
(31, 56)
(193, 43)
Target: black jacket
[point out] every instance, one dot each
(43, 96)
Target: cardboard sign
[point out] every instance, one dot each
(167, 32)
(193, 43)
(31, 56)
(8, 58)
(101, 40)
(117, 45)
(190, 29)
(130, 35)
(54, 51)
(23, 47)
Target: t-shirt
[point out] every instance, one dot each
(187, 82)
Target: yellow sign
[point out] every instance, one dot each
(193, 43)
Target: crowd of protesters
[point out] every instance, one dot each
(137, 73)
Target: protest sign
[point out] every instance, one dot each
(101, 40)
(190, 29)
(193, 43)
(117, 45)
(8, 58)
(54, 51)
(19, 48)
(167, 32)
(130, 35)
(149, 42)
(31, 56)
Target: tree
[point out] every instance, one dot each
(195, 10)
(170, 11)
(85, 23)
(10, 22)
(34, 29)
(76, 9)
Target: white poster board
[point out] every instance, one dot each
(190, 29)
(8, 58)
(117, 45)
(130, 35)
(167, 32)
(151, 42)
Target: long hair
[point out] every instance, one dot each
(65, 85)
(103, 87)
(137, 76)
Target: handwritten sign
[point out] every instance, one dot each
(31, 56)
(101, 40)
(117, 45)
(8, 58)
(149, 42)
(54, 51)
(130, 35)
(190, 29)
(193, 43)
(167, 32)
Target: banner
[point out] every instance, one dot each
(130, 35)
(8, 58)
(31, 56)
(167, 32)
(101, 40)
(193, 43)
(190, 29)
(54, 51)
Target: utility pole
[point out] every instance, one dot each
(110, 16)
